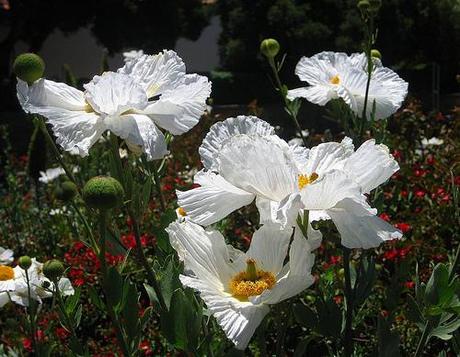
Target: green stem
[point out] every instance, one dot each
(271, 61)
(67, 321)
(424, 339)
(150, 273)
(110, 309)
(31, 310)
(156, 176)
(57, 153)
(87, 227)
(348, 337)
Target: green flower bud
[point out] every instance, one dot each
(29, 67)
(269, 47)
(103, 193)
(65, 191)
(53, 269)
(364, 5)
(376, 54)
(25, 262)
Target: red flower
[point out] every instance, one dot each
(419, 193)
(385, 217)
(146, 348)
(409, 284)
(338, 299)
(62, 333)
(403, 227)
(430, 160)
(27, 344)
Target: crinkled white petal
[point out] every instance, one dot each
(299, 155)
(289, 209)
(138, 130)
(269, 247)
(213, 200)
(317, 94)
(44, 95)
(238, 320)
(156, 73)
(267, 210)
(328, 190)
(297, 278)
(360, 228)
(204, 252)
(115, 93)
(386, 89)
(4, 299)
(320, 68)
(259, 165)
(371, 165)
(220, 132)
(328, 156)
(179, 109)
(76, 130)
(6, 256)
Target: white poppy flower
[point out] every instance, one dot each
(244, 161)
(13, 283)
(6, 256)
(333, 75)
(147, 93)
(53, 173)
(237, 287)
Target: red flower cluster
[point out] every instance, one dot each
(85, 264)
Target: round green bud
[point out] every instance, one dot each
(29, 67)
(53, 269)
(65, 191)
(25, 262)
(376, 54)
(269, 47)
(103, 193)
(364, 5)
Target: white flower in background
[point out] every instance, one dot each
(6, 256)
(431, 142)
(147, 93)
(237, 287)
(52, 174)
(133, 54)
(332, 75)
(13, 284)
(244, 160)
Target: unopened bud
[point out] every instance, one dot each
(103, 193)
(269, 47)
(65, 191)
(53, 269)
(29, 67)
(376, 54)
(25, 262)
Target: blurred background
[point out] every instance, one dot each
(420, 39)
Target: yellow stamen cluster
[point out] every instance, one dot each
(251, 282)
(335, 80)
(305, 180)
(6, 273)
(181, 211)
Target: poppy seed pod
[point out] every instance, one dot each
(25, 262)
(53, 269)
(29, 67)
(269, 47)
(103, 193)
(65, 191)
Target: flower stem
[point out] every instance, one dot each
(68, 323)
(287, 106)
(57, 153)
(110, 309)
(348, 338)
(150, 273)
(31, 310)
(156, 176)
(424, 339)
